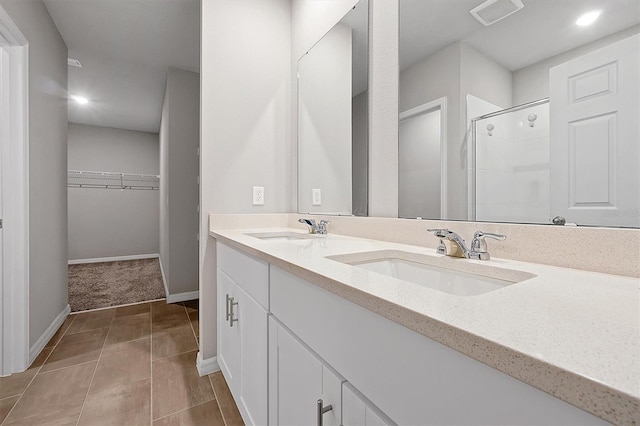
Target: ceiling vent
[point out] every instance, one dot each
(492, 11)
(74, 63)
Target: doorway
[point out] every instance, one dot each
(422, 161)
(14, 211)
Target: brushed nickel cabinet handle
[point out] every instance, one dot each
(321, 409)
(231, 313)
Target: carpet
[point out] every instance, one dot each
(100, 285)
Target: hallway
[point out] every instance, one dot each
(132, 365)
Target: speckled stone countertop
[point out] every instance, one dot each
(573, 334)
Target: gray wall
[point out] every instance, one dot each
(360, 157)
(454, 72)
(179, 140)
(110, 222)
(47, 163)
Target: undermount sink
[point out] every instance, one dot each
(454, 276)
(281, 236)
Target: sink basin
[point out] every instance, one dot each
(281, 236)
(454, 276)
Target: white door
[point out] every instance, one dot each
(595, 136)
(355, 412)
(252, 324)
(3, 101)
(228, 337)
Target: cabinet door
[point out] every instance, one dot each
(228, 337)
(252, 323)
(301, 380)
(357, 412)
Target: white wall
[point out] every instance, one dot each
(47, 163)
(383, 108)
(245, 123)
(179, 141)
(325, 124)
(110, 222)
(532, 83)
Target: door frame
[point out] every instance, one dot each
(14, 143)
(437, 104)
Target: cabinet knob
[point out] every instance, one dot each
(321, 409)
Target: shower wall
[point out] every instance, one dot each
(512, 167)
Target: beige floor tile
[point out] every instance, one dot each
(91, 321)
(63, 328)
(127, 328)
(125, 311)
(53, 398)
(123, 363)
(192, 305)
(225, 400)
(76, 349)
(195, 323)
(126, 404)
(6, 405)
(177, 385)
(16, 383)
(165, 315)
(203, 414)
(172, 341)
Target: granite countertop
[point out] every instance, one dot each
(573, 334)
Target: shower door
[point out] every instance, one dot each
(595, 137)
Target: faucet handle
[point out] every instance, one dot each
(479, 245)
(322, 226)
(440, 233)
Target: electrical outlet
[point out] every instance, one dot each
(258, 195)
(316, 197)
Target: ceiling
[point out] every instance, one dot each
(125, 47)
(543, 28)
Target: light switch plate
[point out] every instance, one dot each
(258, 195)
(316, 197)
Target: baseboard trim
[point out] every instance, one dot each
(42, 341)
(164, 280)
(206, 366)
(181, 297)
(114, 259)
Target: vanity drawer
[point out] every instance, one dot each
(249, 273)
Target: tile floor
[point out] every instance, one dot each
(133, 365)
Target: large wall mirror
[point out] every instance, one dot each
(520, 111)
(333, 119)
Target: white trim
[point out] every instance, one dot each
(164, 280)
(437, 104)
(39, 345)
(14, 142)
(206, 366)
(182, 297)
(115, 259)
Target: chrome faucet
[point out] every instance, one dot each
(319, 228)
(478, 248)
(458, 250)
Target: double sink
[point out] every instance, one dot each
(459, 277)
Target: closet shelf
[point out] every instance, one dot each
(110, 180)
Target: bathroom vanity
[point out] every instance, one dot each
(323, 330)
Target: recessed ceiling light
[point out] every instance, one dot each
(80, 100)
(588, 18)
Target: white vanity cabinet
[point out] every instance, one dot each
(411, 379)
(243, 285)
(301, 385)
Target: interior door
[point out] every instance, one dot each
(595, 154)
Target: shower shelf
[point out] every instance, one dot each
(110, 180)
